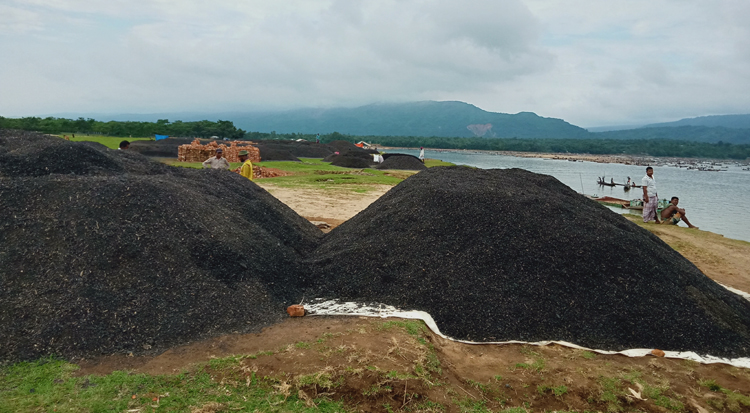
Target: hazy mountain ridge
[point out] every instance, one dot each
(454, 119)
(429, 118)
(726, 121)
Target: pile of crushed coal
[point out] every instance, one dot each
(105, 251)
(285, 150)
(31, 154)
(402, 161)
(350, 161)
(346, 146)
(497, 255)
(163, 148)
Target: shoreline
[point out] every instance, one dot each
(638, 160)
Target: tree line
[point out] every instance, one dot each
(639, 147)
(198, 129)
(226, 129)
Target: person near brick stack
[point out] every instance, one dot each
(650, 198)
(217, 162)
(246, 169)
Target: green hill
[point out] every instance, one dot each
(429, 118)
(726, 121)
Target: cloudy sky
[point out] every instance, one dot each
(590, 62)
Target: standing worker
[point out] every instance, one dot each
(650, 197)
(421, 153)
(247, 167)
(217, 162)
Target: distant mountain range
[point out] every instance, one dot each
(439, 119)
(457, 119)
(725, 121)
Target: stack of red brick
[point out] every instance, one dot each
(195, 152)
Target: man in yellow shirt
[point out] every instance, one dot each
(247, 167)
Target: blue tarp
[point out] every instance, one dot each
(160, 137)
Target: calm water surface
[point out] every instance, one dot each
(714, 201)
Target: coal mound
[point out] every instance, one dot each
(270, 154)
(32, 154)
(269, 149)
(498, 255)
(349, 161)
(135, 257)
(163, 148)
(402, 161)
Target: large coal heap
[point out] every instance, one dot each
(163, 148)
(402, 161)
(122, 261)
(349, 161)
(282, 150)
(33, 154)
(499, 255)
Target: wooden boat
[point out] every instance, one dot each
(605, 183)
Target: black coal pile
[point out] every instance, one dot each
(402, 161)
(283, 150)
(351, 161)
(137, 258)
(498, 255)
(32, 154)
(163, 148)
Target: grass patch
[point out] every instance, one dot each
(557, 391)
(48, 385)
(431, 163)
(111, 142)
(412, 327)
(588, 355)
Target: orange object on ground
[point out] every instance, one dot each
(296, 310)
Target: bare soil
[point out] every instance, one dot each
(376, 366)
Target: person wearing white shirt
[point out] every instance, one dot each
(216, 162)
(650, 197)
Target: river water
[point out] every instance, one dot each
(713, 201)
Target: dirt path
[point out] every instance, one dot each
(333, 206)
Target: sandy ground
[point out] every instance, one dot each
(331, 206)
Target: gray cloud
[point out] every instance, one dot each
(589, 62)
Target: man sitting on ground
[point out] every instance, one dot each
(216, 162)
(672, 215)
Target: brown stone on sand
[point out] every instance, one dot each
(658, 353)
(296, 310)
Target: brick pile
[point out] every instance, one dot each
(195, 152)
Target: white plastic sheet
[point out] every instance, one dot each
(334, 307)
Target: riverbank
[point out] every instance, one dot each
(692, 163)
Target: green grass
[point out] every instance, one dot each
(314, 173)
(413, 327)
(436, 162)
(49, 385)
(112, 142)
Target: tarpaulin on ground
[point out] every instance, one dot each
(160, 137)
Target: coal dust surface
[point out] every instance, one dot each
(497, 255)
(105, 251)
(402, 161)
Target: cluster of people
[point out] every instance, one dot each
(218, 161)
(672, 214)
